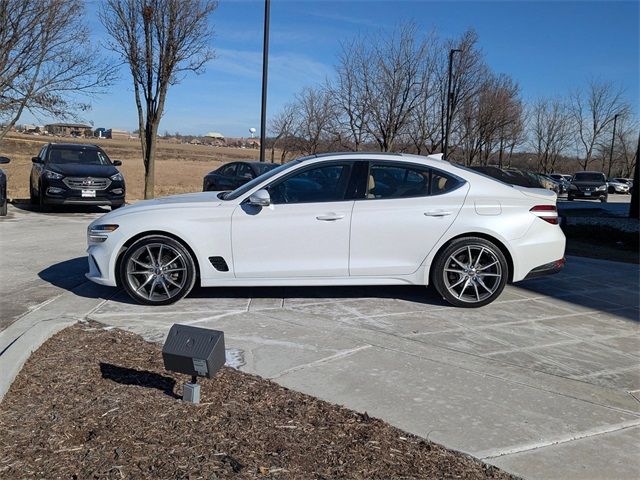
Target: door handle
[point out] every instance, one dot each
(437, 213)
(330, 217)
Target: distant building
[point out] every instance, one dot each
(114, 133)
(100, 132)
(214, 135)
(63, 129)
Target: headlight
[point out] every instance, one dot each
(601, 188)
(98, 233)
(117, 177)
(52, 175)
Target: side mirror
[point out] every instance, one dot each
(117, 163)
(36, 160)
(261, 198)
(4, 160)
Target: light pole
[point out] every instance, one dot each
(449, 95)
(265, 71)
(613, 139)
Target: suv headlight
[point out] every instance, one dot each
(601, 188)
(52, 175)
(99, 233)
(117, 177)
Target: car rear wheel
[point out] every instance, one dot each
(157, 270)
(470, 272)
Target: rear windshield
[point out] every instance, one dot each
(61, 156)
(588, 177)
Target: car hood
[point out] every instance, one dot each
(82, 170)
(188, 200)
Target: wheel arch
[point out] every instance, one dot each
(148, 233)
(499, 243)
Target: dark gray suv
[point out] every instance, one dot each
(3, 188)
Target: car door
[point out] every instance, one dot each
(305, 230)
(408, 207)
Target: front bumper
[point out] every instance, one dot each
(57, 192)
(594, 194)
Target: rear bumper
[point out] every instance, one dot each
(547, 269)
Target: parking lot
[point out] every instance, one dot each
(546, 375)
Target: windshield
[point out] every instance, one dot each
(588, 177)
(62, 156)
(258, 180)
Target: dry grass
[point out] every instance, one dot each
(179, 168)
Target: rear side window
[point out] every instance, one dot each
(400, 181)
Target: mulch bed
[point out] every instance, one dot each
(94, 403)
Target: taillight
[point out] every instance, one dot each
(548, 213)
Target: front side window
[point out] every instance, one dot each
(228, 170)
(62, 156)
(244, 171)
(326, 183)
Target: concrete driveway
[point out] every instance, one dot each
(544, 383)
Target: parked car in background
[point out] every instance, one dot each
(3, 188)
(551, 183)
(233, 175)
(335, 219)
(75, 174)
(563, 180)
(618, 187)
(589, 186)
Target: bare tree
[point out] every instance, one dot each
(46, 63)
(283, 127)
(593, 112)
(392, 82)
(551, 132)
(160, 41)
(315, 114)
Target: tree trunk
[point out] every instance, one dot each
(150, 158)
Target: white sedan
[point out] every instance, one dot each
(335, 219)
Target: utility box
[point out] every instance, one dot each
(194, 351)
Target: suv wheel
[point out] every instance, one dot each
(3, 208)
(157, 270)
(471, 272)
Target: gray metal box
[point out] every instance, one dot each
(194, 350)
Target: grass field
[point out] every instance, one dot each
(179, 168)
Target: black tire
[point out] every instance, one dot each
(612, 190)
(603, 199)
(3, 208)
(117, 206)
(42, 202)
(132, 276)
(33, 198)
(495, 276)
(570, 198)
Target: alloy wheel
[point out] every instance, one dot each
(157, 272)
(472, 273)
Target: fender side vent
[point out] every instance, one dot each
(219, 264)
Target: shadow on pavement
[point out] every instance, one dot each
(69, 275)
(26, 206)
(141, 378)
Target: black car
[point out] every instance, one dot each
(75, 174)
(232, 175)
(3, 188)
(588, 185)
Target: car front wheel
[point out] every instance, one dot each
(3, 208)
(470, 272)
(157, 270)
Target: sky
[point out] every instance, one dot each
(548, 47)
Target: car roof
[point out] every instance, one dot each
(74, 146)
